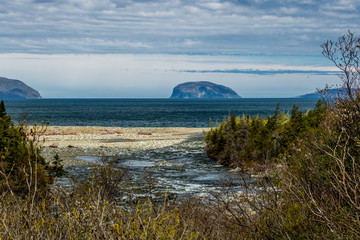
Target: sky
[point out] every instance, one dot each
(142, 49)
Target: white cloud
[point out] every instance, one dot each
(190, 42)
(222, 26)
(144, 43)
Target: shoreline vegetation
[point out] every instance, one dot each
(309, 188)
(254, 143)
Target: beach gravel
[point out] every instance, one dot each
(70, 142)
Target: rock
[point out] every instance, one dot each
(203, 90)
(10, 88)
(144, 133)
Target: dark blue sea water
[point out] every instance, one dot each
(144, 112)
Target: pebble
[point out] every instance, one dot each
(101, 141)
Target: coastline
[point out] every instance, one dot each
(72, 141)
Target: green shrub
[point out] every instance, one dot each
(248, 141)
(22, 169)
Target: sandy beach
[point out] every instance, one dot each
(69, 142)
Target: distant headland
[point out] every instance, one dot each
(328, 93)
(202, 90)
(16, 89)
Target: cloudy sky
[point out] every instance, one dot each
(140, 48)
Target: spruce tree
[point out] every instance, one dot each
(2, 109)
(19, 158)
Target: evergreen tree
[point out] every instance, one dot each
(21, 167)
(2, 109)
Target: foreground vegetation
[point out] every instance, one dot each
(310, 189)
(312, 158)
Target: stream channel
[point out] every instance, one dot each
(183, 169)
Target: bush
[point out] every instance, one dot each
(90, 211)
(316, 193)
(22, 169)
(248, 141)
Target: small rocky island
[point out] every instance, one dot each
(11, 88)
(203, 90)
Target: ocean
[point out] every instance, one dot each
(144, 112)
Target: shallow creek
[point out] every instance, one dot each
(182, 169)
